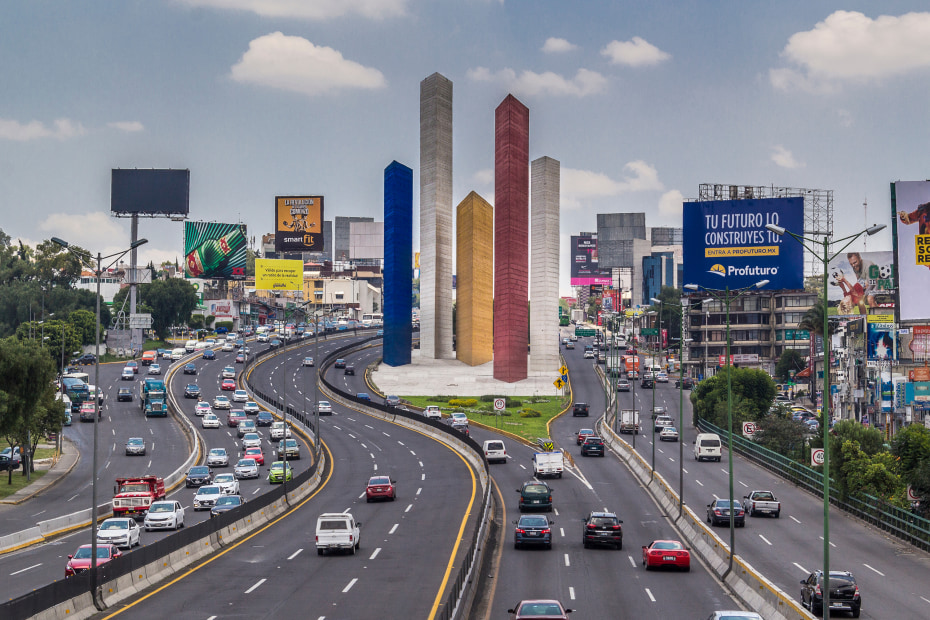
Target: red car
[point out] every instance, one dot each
(666, 553)
(539, 608)
(80, 561)
(584, 434)
(134, 366)
(235, 416)
(228, 384)
(254, 453)
(380, 487)
(240, 359)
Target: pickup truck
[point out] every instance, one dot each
(337, 531)
(548, 464)
(761, 502)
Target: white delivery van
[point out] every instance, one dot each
(177, 354)
(190, 346)
(494, 451)
(548, 464)
(337, 531)
(707, 446)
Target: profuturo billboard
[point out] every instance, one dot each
(726, 244)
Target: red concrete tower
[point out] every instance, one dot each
(511, 239)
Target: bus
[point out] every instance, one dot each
(372, 320)
(74, 385)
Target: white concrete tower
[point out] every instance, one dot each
(544, 265)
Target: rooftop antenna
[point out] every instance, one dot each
(865, 211)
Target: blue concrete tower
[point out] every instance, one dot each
(398, 264)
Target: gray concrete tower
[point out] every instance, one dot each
(544, 265)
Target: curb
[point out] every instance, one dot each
(59, 478)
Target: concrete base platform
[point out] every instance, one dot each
(449, 377)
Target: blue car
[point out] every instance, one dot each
(532, 530)
(209, 354)
(380, 332)
(363, 396)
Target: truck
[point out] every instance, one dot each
(337, 531)
(630, 364)
(629, 421)
(149, 358)
(761, 502)
(133, 496)
(577, 316)
(152, 395)
(548, 464)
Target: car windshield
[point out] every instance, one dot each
(251, 436)
(114, 525)
(666, 545)
(134, 488)
(604, 521)
(725, 503)
(200, 470)
(593, 441)
(135, 441)
(246, 463)
(536, 488)
(379, 480)
(85, 553)
(218, 452)
(208, 491)
(224, 478)
(161, 507)
(533, 522)
(230, 500)
(764, 496)
(541, 609)
(192, 386)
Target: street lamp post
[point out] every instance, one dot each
(87, 258)
(821, 249)
(657, 362)
(727, 297)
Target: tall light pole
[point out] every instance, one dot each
(821, 249)
(98, 273)
(656, 363)
(727, 296)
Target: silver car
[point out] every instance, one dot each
(228, 483)
(217, 458)
(120, 531)
(251, 440)
(206, 497)
(246, 468)
(166, 514)
(135, 446)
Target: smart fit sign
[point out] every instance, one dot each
(726, 244)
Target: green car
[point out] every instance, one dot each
(277, 475)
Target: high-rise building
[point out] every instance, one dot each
(342, 236)
(544, 258)
(474, 301)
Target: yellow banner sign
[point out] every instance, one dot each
(273, 274)
(922, 249)
(880, 318)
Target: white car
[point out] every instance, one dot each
(229, 372)
(262, 338)
(232, 337)
(324, 407)
(206, 497)
(278, 430)
(661, 377)
(251, 440)
(308, 361)
(668, 433)
(589, 354)
(458, 417)
(240, 396)
(217, 458)
(433, 412)
(661, 422)
(128, 375)
(227, 347)
(221, 402)
(202, 408)
(165, 514)
(154, 369)
(210, 342)
(246, 468)
(210, 421)
(250, 408)
(120, 531)
(228, 483)
(574, 338)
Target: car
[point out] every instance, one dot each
(458, 417)
(602, 528)
(192, 390)
(349, 370)
(87, 411)
(278, 430)
(240, 358)
(217, 457)
(363, 396)
(582, 434)
(154, 369)
(246, 468)
(532, 530)
(124, 394)
(658, 410)
(127, 375)
(718, 513)
(734, 615)
(549, 609)
(291, 449)
(661, 422)
(324, 408)
(686, 384)
(84, 360)
(589, 354)
(308, 361)
(197, 476)
(164, 514)
(623, 385)
(669, 433)
(201, 408)
(380, 487)
(661, 553)
(460, 427)
(495, 451)
(210, 421)
(208, 354)
(648, 384)
(632, 375)
(569, 345)
(82, 558)
(255, 452)
(762, 502)
(592, 446)
(262, 338)
(234, 417)
(251, 408)
(535, 495)
(844, 593)
(251, 440)
(120, 532)
(340, 363)
(228, 483)
(245, 426)
(433, 412)
(391, 400)
(190, 369)
(228, 372)
(379, 333)
(240, 396)
(134, 365)
(221, 402)
(661, 377)
(227, 347)
(228, 385)
(206, 497)
(279, 473)
(135, 446)
(580, 409)
(225, 504)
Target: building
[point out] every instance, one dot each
(544, 258)
(342, 237)
(474, 327)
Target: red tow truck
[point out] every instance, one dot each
(133, 496)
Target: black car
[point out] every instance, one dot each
(580, 409)
(87, 358)
(350, 370)
(124, 393)
(461, 427)
(340, 363)
(264, 419)
(198, 475)
(687, 383)
(844, 592)
(190, 369)
(718, 512)
(602, 528)
(532, 530)
(226, 503)
(192, 391)
(592, 446)
(274, 344)
(535, 496)
(648, 384)
(208, 354)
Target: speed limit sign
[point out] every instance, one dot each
(817, 457)
(499, 404)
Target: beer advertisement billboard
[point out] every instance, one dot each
(861, 282)
(726, 244)
(298, 224)
(910, 204)
(584, 267)
(214, 251)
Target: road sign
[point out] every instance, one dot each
(817, 457)
(499, 404)
(911, 495)
(558, 383)
(749, 429)
(563, 370)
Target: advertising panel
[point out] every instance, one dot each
(860, 282)
(584, 268)
(914, 345)
(214, 251)
(881, 337)
(221, 308)
(726, 244)
(298, 224)
(918, 392)
(272, 274)
(910, 205)
(150, 192)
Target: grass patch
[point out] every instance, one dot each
(19, 481)
(510, 419)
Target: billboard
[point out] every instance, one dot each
(298, 224)
(914, 345)
(221, 308)
(860, 282)
(272, 274)
(149, 192)
(726, 244)
(584, 268)
(214, 251)
(910, 205)
(881, 337)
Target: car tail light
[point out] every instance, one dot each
(351, 537)
(856, 593)
(818, 591)
(550, 498)
(546, 531)
(520, 531)
(615, 527)
(316, 539)
(591, 526)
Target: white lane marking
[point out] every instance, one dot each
(23, 570)
(422, 477)
(649, 594)
(253, 588)
(114, 434)
(400, 442)
(671, 459)
(418, 490)
(346, 511)
(699, 482)
(659, 450)
(212, 618)
(336, 427)
(375, 554)
(361, 496)
(72, 497)
(874, 570)
(793, 519)
(38, 513)
(743, 483)
(421, 463)
(107, 465)
(394, 529)
(370, 426)
(831, 544)
(684, 470)
(765, 539)
(567, 561)
(556, 511)
(255, 491)
(413, 453)
(632, 561)
(409, 507)
(364, 446)
(803, 570)
(352, 436)
(113, 449)
(522, 466)
(353, 419)
(376, 465)
(385, 434)
(149, 466)
(151, 431)
(571, 593)
(562, 531)
(349, 587)
(925, 600)
(371, 454)
(294, 555)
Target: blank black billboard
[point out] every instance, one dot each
(150, 192)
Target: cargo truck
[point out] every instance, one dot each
(548, 464)
(133, 496)
(152, 395)
(629, 421)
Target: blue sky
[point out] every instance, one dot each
(640, 102)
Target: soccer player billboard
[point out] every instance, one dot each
(861, 282)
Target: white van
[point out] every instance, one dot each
(190, 346)
(177, 354)
(494, 451)
(707, 446)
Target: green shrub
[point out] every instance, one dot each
(463, 402)
(513, 402)
(530, 413)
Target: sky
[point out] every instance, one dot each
(640, 102)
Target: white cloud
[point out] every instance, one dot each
(62, 129)
(634, 53)
(846, 118)
(309, 9)
(484, 177)
(88, 230)
(785, 158)
(670, 203)
(555, 45)
(529, 83)
(127, 126)
(578, 185)
(850, 47)
(295, 64)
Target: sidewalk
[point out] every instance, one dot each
(55, 472)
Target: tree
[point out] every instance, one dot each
(753, 393)
(172, 301)
(789, 360)
(874, 474)
(868, 439)
(814, 284)
(781, 434)
(85, 322)
(911, 446)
